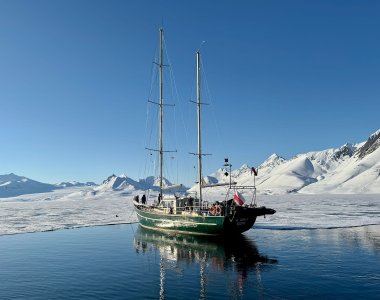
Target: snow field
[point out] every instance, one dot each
(81, 207)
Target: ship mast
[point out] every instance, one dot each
(161, 150)
(199, 127)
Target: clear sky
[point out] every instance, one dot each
(284, 77)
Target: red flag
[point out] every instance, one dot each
(239, 199)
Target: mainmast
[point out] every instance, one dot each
(199, 126)
(161, 150)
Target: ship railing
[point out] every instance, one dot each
(244, 187)
(204, 209)
(170, 206)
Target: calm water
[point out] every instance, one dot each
(127, 262)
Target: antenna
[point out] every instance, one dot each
(200, 46)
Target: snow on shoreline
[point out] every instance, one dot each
(83, 207)
(299, 211)
(69, 208)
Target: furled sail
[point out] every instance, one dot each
(218, 184)
(172, 187)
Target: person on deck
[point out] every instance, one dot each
(159, 198)
(191, 203)
(143, 199)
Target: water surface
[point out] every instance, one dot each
(128, 262)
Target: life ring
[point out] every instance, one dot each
(212, 210)
(218, 210)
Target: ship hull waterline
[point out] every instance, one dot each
(195, 225)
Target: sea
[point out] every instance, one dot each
(129, 262)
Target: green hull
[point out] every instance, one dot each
(195, 225)
(203, 225)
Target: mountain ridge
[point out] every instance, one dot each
(351, 168)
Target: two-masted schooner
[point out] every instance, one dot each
(192, 215)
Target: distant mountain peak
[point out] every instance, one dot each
(272, 161)
(242, 170)
(154, 181)
(370, 145)
(114, 182)
(123, 182)
(377, 133)
(345, 150)
(244, 166)
(11, 177)
(13, 185)
(109, 178)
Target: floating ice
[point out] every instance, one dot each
(86, 206)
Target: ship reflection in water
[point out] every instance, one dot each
(238, 256)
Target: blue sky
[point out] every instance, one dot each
(284, 77)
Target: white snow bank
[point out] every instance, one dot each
(79, 207)
(320, 211)
(66, 208)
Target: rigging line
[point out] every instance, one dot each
(168, 175)
(152, 80)
(189, 112)
(145, 166)
(176, 97)
(175, 92)
(156, 164)
(211, 101)
(154, 120)
(149, 140)
(168, 170)
(175, 129)
(176, 138)
(148, 129)
(153, 74)
(192, 112)
(146, 133)
(184, 114)
(175, 112)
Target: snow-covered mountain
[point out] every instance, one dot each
(349, 169)
(14, 185)
(153, 182)
(123, 182)
(118, 183)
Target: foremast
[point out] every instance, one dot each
(161, 105)
(161, 150)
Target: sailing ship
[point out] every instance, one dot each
(192, 215)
